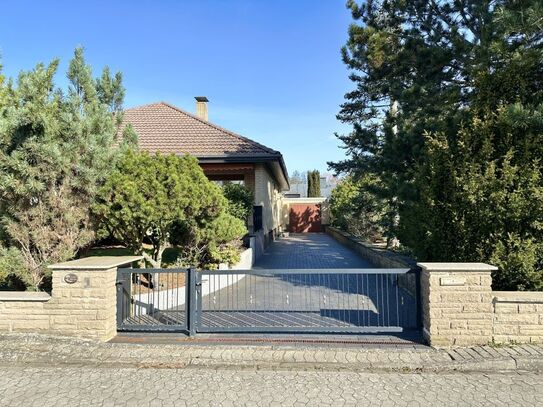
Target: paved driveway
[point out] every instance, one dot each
(309, 251)
(326, 302)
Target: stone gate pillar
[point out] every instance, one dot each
(456, 303)
(83, 302)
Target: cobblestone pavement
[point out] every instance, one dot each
(75, 386)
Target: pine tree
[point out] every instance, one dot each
(56, 148)
(446, 114)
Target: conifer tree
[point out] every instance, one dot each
(313, 184)
(446, 113)
(56, 148)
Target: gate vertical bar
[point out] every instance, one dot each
(191, 301)
(198, 312)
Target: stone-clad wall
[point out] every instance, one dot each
(460, 308)
(25, 312)
(456, 303)
(85, 308)
(518, 316)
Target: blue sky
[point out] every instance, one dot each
(271, 69)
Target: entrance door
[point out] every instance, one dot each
(305, 218)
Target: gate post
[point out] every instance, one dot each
(192, 301)
(457, 303)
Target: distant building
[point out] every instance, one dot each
(298, 187)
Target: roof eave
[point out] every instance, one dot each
(280, 172)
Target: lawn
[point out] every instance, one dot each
(168, 258)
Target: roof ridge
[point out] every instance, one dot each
(145, 105)
(269, 150)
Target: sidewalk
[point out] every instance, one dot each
(39, 350)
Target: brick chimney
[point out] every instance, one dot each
(201, 107)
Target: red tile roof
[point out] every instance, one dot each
(168, 129)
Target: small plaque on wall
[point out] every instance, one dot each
(71, 278)
(447, 281)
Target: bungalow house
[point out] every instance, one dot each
(223, 155)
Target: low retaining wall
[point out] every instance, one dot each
(518, 316)
(25, 311)
(82, 304)
(379, 257)
(374, 253)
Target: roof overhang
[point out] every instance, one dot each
(275, 162)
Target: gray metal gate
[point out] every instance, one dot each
(152, 299)
(304, 300)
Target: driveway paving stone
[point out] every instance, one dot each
(309, 251)
(93, 386)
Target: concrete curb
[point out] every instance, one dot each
(38, 350)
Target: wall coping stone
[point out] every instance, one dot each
(26, 296)
(457, 266)
(518, 296)
(95, 263)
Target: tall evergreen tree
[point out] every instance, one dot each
(313, 184)
(446, 113)
(55, 150)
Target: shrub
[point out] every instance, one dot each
(56, 148)
(167, 200)
(240, 200)
(12, 268)
(356, 210)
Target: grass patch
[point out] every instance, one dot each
(169, 256)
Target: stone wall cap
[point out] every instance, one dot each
(95, 263)
(518, 296)
(24, 296)
(457, 266)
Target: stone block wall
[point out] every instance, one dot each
(518, 317)
(24, 312)
(84, 308)
(456, 303)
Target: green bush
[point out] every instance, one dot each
(240, 200)
(56, 149)
(12, 269)
(356, 210)
(167, 200)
